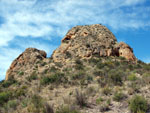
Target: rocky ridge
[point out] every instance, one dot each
(80, 42)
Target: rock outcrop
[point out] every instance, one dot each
(126, 51)
(89, 40)
(80, 42)
(28, 57)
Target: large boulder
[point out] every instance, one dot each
(25, 60)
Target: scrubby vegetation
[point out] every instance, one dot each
(95, 85)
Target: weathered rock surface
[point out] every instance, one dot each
(125, 51)
(28, 57)
(80, 42)
(89, 40)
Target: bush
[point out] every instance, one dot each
(99, 100)
(66, 109)
(138, 104)
(79, 65)
(132, 77)
(8, 83)
(33, 76)
(80, 99)
(54, 78)
(20, 73)
(11, 104)
(4, 97)
(118, 96)
(106, 91)
(115, 78)
(36, 104)
(79, 75)
(68, 54)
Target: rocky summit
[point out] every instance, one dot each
(89, 40)
(90, 72)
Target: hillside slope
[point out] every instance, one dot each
(89, 73)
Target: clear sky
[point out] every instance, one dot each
(43, 23)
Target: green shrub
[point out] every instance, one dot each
(20, 73)
(138, 104)
(36, 104)
(33, 76)
(79, 75)
(68, 54)
(54, 78)
(106, 91)
(4, 97)
(94, 61)
(122, 58)
(100, 65)
(66, 109)
(53, 69)
(99, 100)
(8, 83)
(132, 77)
(79, 65)
(118, 96)
(11, 104)
(81, 99)
(115, 78)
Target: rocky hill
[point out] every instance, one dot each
(89, 73)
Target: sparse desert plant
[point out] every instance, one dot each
(66, 109)
(33, 76)
(79, 64)
(118, 96)
(11, 104)
(99, 100)
(8, 83)
(54, 78)
(4, 97)
(104, 108)
(106, 90)
(36, 104)
(20, 73)
(138, 104)
(68, 54)
(81, 99)
(48, 108)
(132, 77)
(78, 75)
(53, 69)
(115, 78)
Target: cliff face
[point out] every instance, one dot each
(80, 42)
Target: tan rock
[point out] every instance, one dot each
(85, 41)
(125, 51)
(28, 57)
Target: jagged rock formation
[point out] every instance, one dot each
(85, 41)
(79, 42)
(28, 57)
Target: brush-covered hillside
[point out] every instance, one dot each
(90, 72)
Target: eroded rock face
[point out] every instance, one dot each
(80, 42)
(28, 57)
(126, 51)
(85, 41)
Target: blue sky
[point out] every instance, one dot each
(43, 23)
